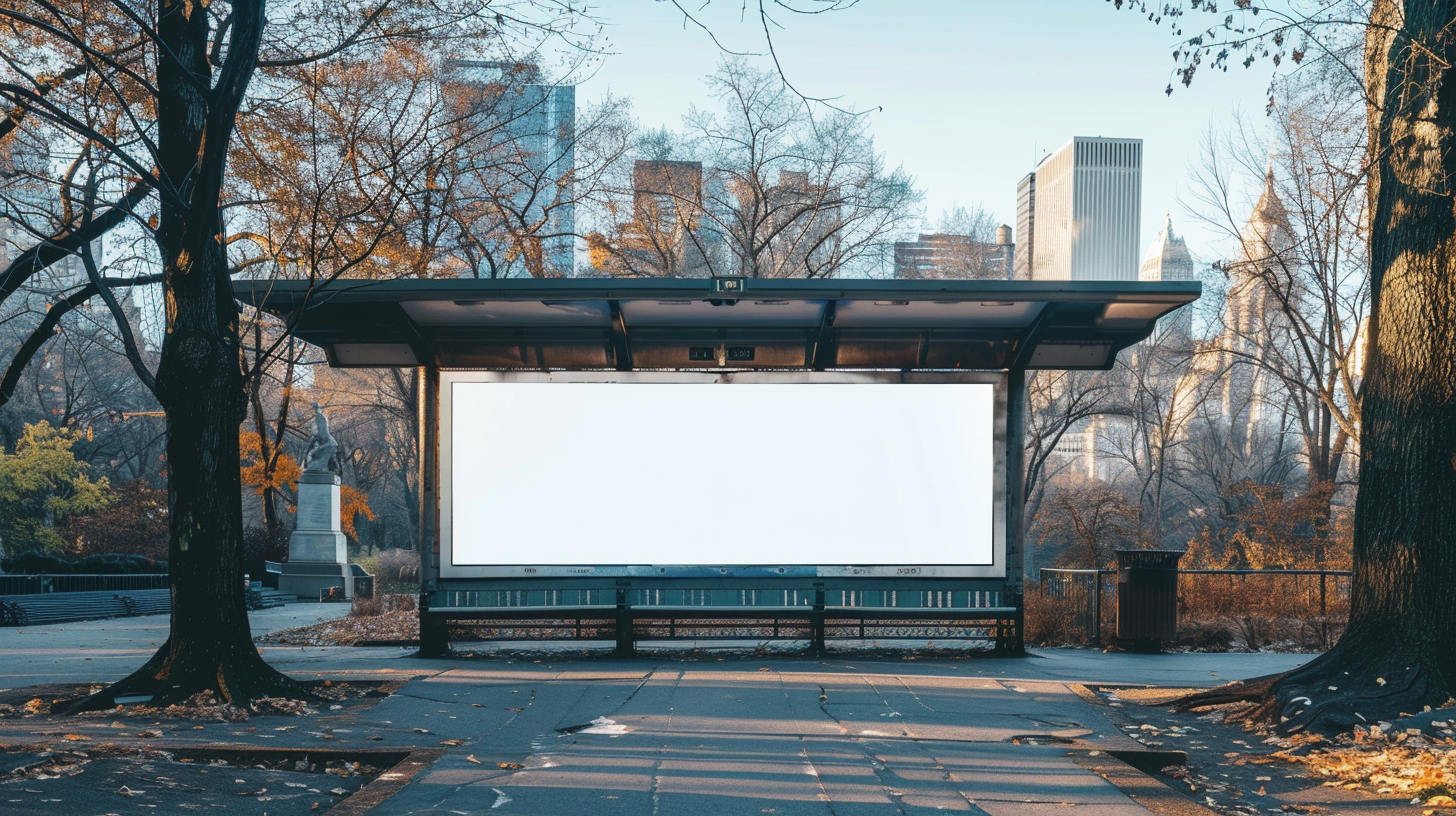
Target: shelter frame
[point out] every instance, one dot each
(873, 329)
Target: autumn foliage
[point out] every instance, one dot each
(280, 473)
(260, 472)
(133, 523)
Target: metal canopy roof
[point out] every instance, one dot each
(625, 324)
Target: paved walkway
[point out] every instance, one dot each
(694, 735)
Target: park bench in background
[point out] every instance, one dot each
(38, 608)
(64, 607)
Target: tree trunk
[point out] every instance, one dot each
(266, 458)
(199, 378)
(1396, 656)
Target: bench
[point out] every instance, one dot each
(627, 622)
(67, 607)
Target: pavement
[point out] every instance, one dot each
(690, 733)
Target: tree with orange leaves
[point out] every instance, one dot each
(278, 472)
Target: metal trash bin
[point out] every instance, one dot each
(1147, 598)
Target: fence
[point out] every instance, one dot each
(1245, 599)
(40, 584)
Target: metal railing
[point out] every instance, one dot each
(1089, 591)
(41, 584)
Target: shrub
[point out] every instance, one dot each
(33, 563)
(367, 607)
(135, 522)
(380, 603)
(1254, 611)
(258, 547)
(1051, 621)
(396, 571)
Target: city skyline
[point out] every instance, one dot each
(1020, 103)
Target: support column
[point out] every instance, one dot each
(817, 641)
(434, 636)
(626, 643)
(1015, 498)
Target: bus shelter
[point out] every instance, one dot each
(644, 459)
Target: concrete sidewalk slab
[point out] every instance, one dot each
(724, 740)
(848, 735)
(105, 650)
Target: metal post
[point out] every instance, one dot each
(1015, 502)
(1322, 593)
(1097, 606)
(816, 622)
(625, 645)
(434, 633)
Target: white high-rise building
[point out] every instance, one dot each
(1086, 211)
(1168, 259)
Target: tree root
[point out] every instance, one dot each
(238, 679)
(1343, 689)
(1259, 691)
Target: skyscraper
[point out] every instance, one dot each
(30, 210)
(1254, 322)
(1025, 226)
(527, 166)
(1083, 216)
(939, 256)
(670, 234)
(1168, 259)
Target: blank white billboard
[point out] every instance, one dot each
(686, 478)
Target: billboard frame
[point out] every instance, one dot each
(997, 569)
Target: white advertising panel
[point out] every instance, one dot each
(702, 474)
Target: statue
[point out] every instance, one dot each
(318, 553)
(321, 455)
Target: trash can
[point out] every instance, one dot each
(1147, 598)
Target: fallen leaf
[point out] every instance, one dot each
(472, 758)
(452, 742)
(510, 766)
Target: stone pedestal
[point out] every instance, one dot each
(318, 553)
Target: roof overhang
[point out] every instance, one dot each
(677, 323)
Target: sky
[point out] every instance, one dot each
(971, 92)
